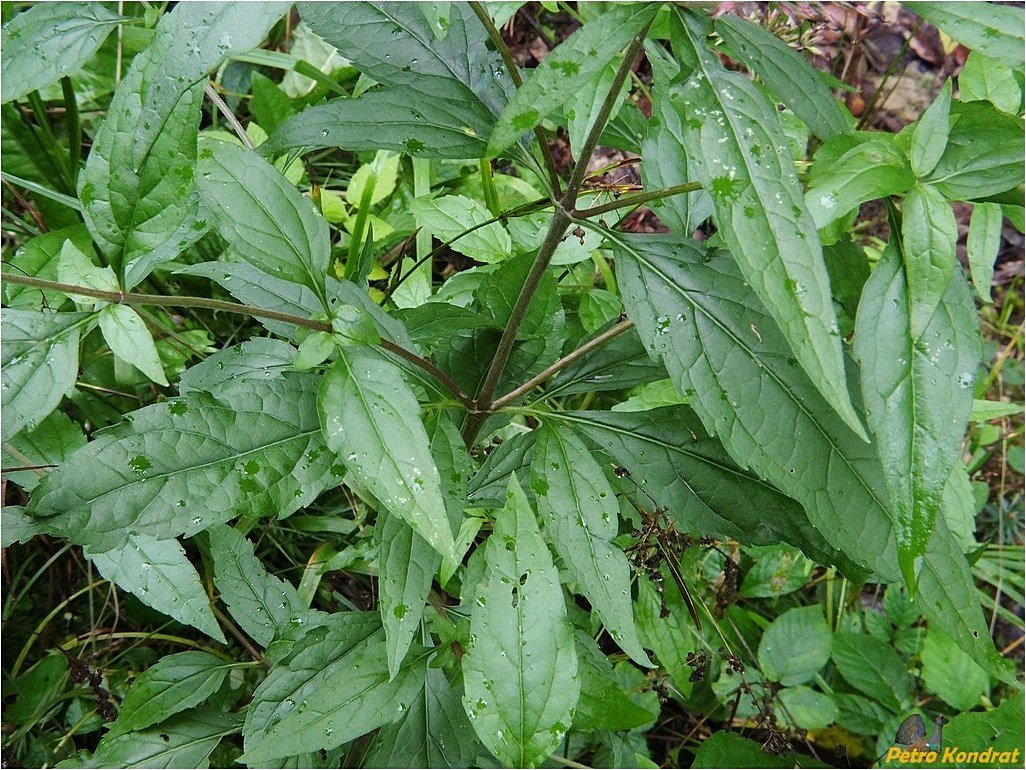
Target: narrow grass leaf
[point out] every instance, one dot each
(371, 419)
(520, 669)
(161, 576)
(581, 515)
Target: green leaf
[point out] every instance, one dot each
(993, 30)
(333, 687)
(951, 673)
(872, 169)
(184, 740)
(399, 44)
(371, 419)
(130, 340)
(574, 64)
(795, 646)
(581, 514)
(380, 174)
(806, 708)
(162, 577)
(174, 683)
(406, 568)
(999, 728)
(434, 732)
(790, 77)
(138, 186)
(872, 667)
(992, 410)
(51, 41)
(604, 705)
(928, 236)
(986, 79)
(746, 387)
(76, 268)
(778, 570)
(265, 219)
(178, 467)
(671, 638)
(762, 217)
(918, 394)
(264, 606)
(685, 471)
(259, 358)
(450, 216)
(39, 364)
(982, 245)
(520, 669)
(17, 526)
(727, 749)
(930, 134)
(39, 257)
(50, 444)
(620, 364)
(488, 486)
(984, 155)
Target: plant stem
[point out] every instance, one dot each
(637, 200)
(132, 298)
(617, 329)
(560, 220)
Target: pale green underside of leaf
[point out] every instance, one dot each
(50, 41)
(580, 512)
(725, 353)
(174, 683)
(520, 669)
(406, 568)
(40, 364)
(574, 64)
(42, 449)
(125, 332)
(787, 73)
(263, 605)
(184, 740)
(733, 136)
(265, 219)
(696, 481)
(372, 420)
(162, 577)
(333, 687)
(918, 395)
(181, 466)
(138, 187)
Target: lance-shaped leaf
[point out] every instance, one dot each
(40, 364)
(520, 671)
(178, 467)
(929, 134)
(696, 481)
(50, 41)
(433, 733)
(918, 395)
(992, 29)
(928, 236)
(129, 339)
(138, 187)
(185, 740)
(161, 576)
(406, 567)
(798, 85)
(981, 246)
(371, 419)
(739, 149)
(581, 516)
(265, 219)
(574, 64)
(333, 687)
(174, 683)
(723, 351)
(264, 606)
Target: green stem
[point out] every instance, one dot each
(131, 298)
(74, 127)
(491, 195)
(614, 331)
